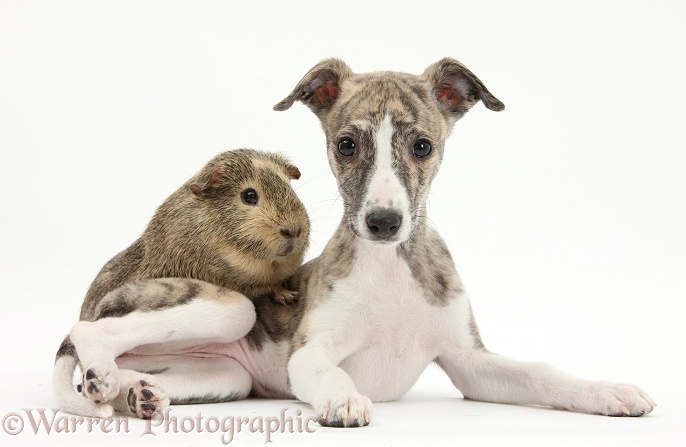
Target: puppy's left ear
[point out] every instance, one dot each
(456, 89)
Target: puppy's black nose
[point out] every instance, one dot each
(383, 223)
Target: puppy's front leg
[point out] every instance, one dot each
(316, 379)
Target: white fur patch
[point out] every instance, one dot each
(385, 189)
(376, 325)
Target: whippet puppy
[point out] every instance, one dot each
(384, 299)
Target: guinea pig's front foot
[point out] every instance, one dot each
(285, 296)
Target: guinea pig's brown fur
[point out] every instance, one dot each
(210, 230)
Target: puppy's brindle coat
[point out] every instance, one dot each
(384, 299)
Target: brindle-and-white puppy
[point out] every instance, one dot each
(384, 299)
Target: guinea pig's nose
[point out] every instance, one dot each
(290, 233)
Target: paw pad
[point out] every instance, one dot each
(146, 400)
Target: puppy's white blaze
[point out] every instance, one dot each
(385, 189)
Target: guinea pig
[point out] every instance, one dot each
(237, 224)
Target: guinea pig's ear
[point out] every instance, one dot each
(201, 189)
(319, 88)
(456, 89)
(293, 172)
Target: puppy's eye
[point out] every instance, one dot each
(346, 147)
(421, 149)
(249, 196)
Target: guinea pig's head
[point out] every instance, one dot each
(254, 212)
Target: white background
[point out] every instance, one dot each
(565, 213)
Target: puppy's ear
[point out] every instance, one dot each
(202, 189)
(319, 88)
(456, 89)
(293, 172)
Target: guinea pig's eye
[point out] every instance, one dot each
(421, 148)
(346, 147)
(249, 196)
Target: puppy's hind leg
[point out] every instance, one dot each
(206, 314)
(484, 376)
(141, 395)
(178, 379)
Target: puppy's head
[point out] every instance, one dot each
(385, 133)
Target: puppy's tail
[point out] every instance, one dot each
(63, 389)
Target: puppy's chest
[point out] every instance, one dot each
(382, 314)
(389, 308)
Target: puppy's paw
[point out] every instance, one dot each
(285, 296)
(100, 382)
(345, 410)
(612, 399)
(146, 399)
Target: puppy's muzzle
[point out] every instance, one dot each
(383, 223)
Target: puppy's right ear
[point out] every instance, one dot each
(204, 188)
(319, 88)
